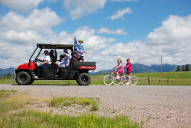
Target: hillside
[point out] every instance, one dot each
(6, 71)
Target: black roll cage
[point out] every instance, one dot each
(50, 46)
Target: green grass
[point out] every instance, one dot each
(34, 119)
(172, 75)
(68, 101)
(14, 115)
(6, 93)
(164, 78)
(10, 100)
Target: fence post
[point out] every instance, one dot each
(149, 82)
(167, 81)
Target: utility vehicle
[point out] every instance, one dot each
(79, 71)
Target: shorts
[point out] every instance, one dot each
(120, 71)
(127, 72)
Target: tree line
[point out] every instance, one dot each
(185, 67)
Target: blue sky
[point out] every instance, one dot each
(146, 15)
(119, 28)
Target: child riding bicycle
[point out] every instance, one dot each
(119, 67)
(128, 67)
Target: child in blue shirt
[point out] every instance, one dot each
(79, 48)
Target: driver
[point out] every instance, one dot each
(46, 60)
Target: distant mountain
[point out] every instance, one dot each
(6, 71)
(141, 68)
(165, 67)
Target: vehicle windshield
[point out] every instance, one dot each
(35, 54)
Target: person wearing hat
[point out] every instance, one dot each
(79, 48)
(64, 59)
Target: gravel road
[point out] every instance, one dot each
(156, 106)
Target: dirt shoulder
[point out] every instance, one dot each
(155, 106)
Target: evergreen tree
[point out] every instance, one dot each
(187, 67)
(178, 68)
(183, 68)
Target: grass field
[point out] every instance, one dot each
(164, 78)
(15, 115)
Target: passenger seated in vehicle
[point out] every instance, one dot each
(53, 56)
(64, 59)
(79, 49)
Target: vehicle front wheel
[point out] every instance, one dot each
(84, 79)
(23, 78)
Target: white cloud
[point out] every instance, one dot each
(38, 20)
(108, 31)
(17, 28)
(19, 34)
(121, 13)
(78, 8)
(171, 40)
(21, 5)
(94, 43)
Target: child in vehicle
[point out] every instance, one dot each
(120, 68)
(79, 49)
(64, 59)
(128, 67)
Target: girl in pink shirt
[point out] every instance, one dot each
(129, 67)
(120, 68)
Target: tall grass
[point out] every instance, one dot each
(6, 93)
(9, 100)
(34, 119)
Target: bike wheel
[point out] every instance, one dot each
(108, 80)
(133, 80)
(116, 81)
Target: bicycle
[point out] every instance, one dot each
(111, 78)
(131, 80)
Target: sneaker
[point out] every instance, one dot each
(117, 77)
(36, 77)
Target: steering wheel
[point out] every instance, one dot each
(36, 60)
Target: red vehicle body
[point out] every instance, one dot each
(28, 66)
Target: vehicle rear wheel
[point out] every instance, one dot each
(23, 78)
(84, 79)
